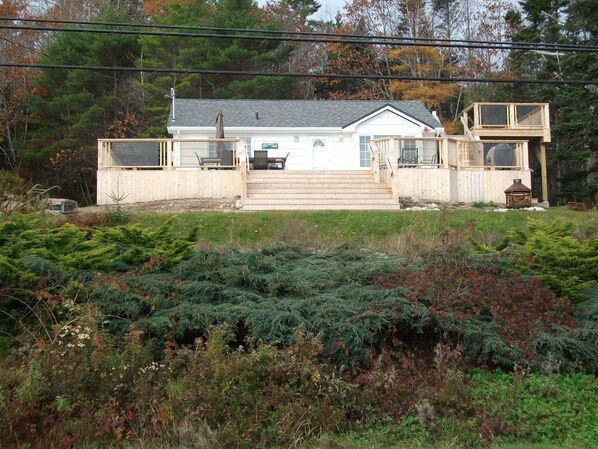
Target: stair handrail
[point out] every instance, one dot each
(389, 164)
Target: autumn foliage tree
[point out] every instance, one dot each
(374, 18)
(422, 66)
(15, 84)
(355, 59)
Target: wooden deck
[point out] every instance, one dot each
(520, 121)
(438, 169)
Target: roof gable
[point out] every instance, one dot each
(386, 108)
(291, 113)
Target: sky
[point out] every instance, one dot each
(327, 11)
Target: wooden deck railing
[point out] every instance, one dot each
(465, 170)
(169, 154)
(521, 116)
(449, 153)
(411, 151)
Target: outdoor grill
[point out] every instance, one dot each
(518, 195)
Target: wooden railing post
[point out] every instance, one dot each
(443, 152)
(101, 157)
(374, 160)
(169, 161)
(512, 120)
(525, 155)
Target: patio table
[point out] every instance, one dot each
(274, 162)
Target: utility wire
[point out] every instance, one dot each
(302, 33)
(362, 40)
(296, 75)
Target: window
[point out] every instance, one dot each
(247, 141)
(409, 144)
(213, 151)
(364, 151)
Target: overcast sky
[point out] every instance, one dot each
(327, 11)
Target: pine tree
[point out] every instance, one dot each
(573, 158)
(71, 109)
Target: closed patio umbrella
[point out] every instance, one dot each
(220, 132)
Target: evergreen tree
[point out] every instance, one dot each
(71, 109)
(573, 157)
(226, 54)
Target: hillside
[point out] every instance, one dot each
(139, 330)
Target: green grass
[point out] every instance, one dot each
(371, 442)
(366, 442)
(390, 232)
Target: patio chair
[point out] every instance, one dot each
(409, 155)
(431, 159)
(278, 163)
(260, 160)
(207, 163)
(227, 158)
(284, 161)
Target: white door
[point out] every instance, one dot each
(320, 153)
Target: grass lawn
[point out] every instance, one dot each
(391, 232)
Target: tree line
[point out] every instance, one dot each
(51, 118)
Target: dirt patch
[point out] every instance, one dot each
(169, 206)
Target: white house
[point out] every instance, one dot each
(341, 154)
(316, 134)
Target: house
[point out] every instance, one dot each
(316, 134)
(336, 154)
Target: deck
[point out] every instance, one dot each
(499, 143)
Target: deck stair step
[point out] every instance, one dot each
(316, 190)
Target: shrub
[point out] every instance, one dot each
(80, 388)
(549, 251)
(257, 396)
(267, 294)
(500, 318)
(357, 302)
(13, 191)
(73, 248)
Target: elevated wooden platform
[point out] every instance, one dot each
(519, 121)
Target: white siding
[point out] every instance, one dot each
(342, 145)
(389, 124)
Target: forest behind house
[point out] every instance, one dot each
(51, 117)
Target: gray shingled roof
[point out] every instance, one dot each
(289, 113)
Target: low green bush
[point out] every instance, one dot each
(358, 302)
(104, 248)
(551, 252)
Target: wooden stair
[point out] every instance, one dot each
(316, 190)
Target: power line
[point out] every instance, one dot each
(283, 36)
(296, 75)
(300, 33)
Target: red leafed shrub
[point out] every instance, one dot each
(498, 316)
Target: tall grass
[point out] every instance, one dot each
(390, 232)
